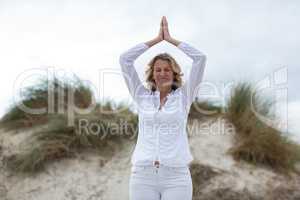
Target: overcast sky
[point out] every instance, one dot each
(243, 40)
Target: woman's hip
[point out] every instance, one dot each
(162, 175)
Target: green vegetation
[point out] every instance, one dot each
(255, 141)
(98, 130)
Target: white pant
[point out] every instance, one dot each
(163, 183)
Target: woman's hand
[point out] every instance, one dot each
(159, 37)
(163, 34)
(166, 33)
(161, 31)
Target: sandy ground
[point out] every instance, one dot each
(84, 177)
(210, 146)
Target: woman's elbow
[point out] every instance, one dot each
(200, 58)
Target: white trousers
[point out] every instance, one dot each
(163, 183)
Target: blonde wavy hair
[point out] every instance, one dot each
(177, 81)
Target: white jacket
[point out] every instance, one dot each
(162, 134)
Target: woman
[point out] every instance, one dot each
(161, 158)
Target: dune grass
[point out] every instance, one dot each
(102, 129)
(201, 175)
(255, 141)
(38, 96)
(57, 140)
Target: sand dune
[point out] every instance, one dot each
(90, 176)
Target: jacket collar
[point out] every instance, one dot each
(157, 92)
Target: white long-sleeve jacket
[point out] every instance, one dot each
(162, 134)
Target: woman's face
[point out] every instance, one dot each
(163, 73)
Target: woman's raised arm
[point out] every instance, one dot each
(198, 65)
(196, 73)
(127, 59)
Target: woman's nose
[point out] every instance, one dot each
(162, 73)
